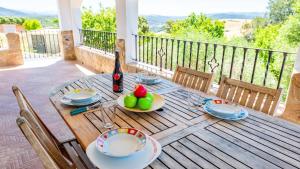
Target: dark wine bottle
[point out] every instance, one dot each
(117, 76)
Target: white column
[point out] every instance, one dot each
(70, 17)
(127, 25)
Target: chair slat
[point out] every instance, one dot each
(267, 104)
(195, 82)
(244, 97)
(231, 92)
(46, 159)
(251, 99)
(225, 91)
(43, 134)
(260, 99)
(193, 79)
(238, 94)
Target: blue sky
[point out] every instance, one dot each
(146, 7)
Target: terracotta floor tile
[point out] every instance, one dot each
(36, 83)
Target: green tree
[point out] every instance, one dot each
(291, 30)
(197, 24)
(143, 25)
(280, 10)
(265, 37)
(11, 20)
(32, 24)
(105, 20)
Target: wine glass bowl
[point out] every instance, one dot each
(108, 113)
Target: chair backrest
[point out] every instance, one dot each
(256, 97)
(27, 111)
(40, 130)
(193, 79)
(45, 157)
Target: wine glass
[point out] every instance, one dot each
(108, 113)
(194, 99)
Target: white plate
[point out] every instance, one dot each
(148, 81)
(139, 160)
(80, 95)
(90, 101)
(242, 115)
(121, 142)
(223, 109)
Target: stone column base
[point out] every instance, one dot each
(12, 55)
(67, 45)
(292, 107)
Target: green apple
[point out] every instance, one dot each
(130, 101)
(144, 103)
(150, 96)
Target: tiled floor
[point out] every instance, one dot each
(36, 78)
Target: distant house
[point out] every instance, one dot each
(8, 28)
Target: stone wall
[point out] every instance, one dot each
(12, 55)
(94, 59)
(101, 62)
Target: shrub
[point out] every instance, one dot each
(32, 24)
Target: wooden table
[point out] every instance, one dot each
(192, 139)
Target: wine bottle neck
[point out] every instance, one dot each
(117, 60)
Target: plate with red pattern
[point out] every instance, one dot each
(121, 142)
(138, 160)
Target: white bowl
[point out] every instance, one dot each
(80, 95)
(121, 142)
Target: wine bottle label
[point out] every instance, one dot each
(116, 76)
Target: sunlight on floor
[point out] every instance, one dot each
(34, 63)
(84, 70)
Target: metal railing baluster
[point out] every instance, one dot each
(166, 58)
(270, 53)
(156, 43)
(254, 64)
(205, 57)
(178, 46)
(222, 62)
(183, 53)
(147, 43)
(191, 51)
(171, 64)
(198, 51)
(232, 61)
(243, 63)
(282, 68)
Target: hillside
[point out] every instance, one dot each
(11, 12)
(157, 22)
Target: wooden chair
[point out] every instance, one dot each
(45, 157)
(55, 149)
(246, 94)
(193, 79)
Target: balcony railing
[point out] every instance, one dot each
(101, 40)
(40, 43)
(259, 66)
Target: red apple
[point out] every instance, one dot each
(140, 91)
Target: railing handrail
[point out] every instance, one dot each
(98, 30)
(219, 44)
